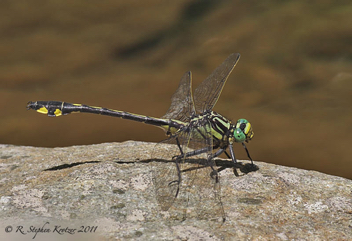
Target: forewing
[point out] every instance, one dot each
(207, 93)
(182, 106)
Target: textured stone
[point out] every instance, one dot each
(110, 186)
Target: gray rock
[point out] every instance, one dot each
(107, 192)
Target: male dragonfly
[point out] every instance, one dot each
(192, 128)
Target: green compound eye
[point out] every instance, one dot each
(239, 135)
(243, 131)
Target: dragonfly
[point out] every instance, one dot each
(196, 135)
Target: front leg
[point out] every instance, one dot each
(249, 156)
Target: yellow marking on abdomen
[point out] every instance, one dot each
(43, 110)
(58, 112)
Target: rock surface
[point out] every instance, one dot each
(107, 192)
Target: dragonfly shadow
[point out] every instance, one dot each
(244, 168)
(221, 164)
(65, 165)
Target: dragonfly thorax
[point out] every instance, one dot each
(220, 129)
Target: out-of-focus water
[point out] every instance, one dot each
(293, 81)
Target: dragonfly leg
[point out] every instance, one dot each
(177, 159)
(191, 153)
(249, 156)
(227, 154)
(218, 153)
(233, 160)
(179, 146)
(232, 154)
(178, 186)
(215, 172)
(197, 152)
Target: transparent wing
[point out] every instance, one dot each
(190, 188)
(182, 106)
(202, 181)
(165, 173)
(207, 93)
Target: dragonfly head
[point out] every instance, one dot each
(243, 131)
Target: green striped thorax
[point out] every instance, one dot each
(223, 131)
(243, 131)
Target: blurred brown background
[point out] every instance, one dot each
(293, 82)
